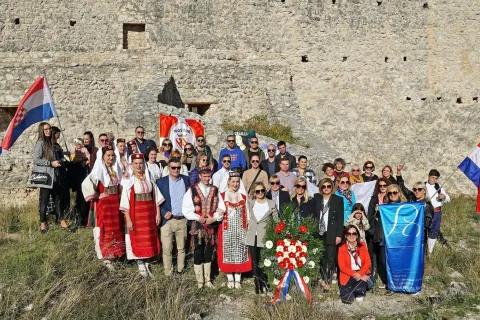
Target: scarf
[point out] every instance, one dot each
(354, 179)
(347, 194)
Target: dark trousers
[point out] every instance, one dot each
(381, 257)
(257, 272)
(373, 256)
(203, 253)
(328, 261)
(352, 290)
(437, 219)
(44, 196)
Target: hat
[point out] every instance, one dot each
(106, 148)
(120, 140)
(138, 156)
(131, 142)
(204, 170)
(234, 174)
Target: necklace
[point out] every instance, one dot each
(111, 172)
(140, 176)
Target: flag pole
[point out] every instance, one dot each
(58, 118)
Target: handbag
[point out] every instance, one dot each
(371, 282)
(40, 178)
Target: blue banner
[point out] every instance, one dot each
(403, 233)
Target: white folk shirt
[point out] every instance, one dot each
(188, 208)
(433, 194)
(220, 179)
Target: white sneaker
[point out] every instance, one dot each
(238, 285)
(359, 299)
(148, 268)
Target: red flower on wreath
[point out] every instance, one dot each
(299, 249)
(300, 264)
(305, 243)
(291, 267)
(289, 236)
(282, 224)
(279, 254)
(278, 230)
(293, 242)
(282, 265)
(285, 248)
(303, 254)
(291, 255)
(280, 243)
(302, 229)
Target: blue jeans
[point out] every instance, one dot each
(437, 219)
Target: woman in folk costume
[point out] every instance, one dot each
(102, 187)
(121, 156)
(140, 202)
(203, 206)
(232, 251)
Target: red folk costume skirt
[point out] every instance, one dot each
(144, 237)
(232, 251)
(109, 219)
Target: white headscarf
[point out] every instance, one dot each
(128, 183)
(100, 171)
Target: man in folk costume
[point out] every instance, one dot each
(102, 187)
(233, 256)
(204, 207)
(140, 202)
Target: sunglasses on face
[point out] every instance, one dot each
(254, 142)
(275, 183)
(302, 186)
(103, 140)
(344, 182)
(227, 161)
(352, 233)
(200, 140)
(271, 150)
(368, 167)
(175, 168)
(255, 161)
(140, 132)
(188, 149)
(392, 193)
(259, 191)
(355, 170)
(382, 185)
(230, 140)
(417, 189)
(167, 144)
(326, 186)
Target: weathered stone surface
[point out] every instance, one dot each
(390, 83)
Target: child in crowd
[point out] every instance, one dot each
(358, 218)
(80, 154)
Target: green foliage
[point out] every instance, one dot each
(291, 237)
(262, 126)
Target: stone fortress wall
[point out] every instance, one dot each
(391, 81)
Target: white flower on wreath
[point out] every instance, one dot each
(279, 248)
(315, 250)
(292, 249)
(287, 242)
(304, 248)
(276, 282)
(285, 254)
(269, 244)
(279, 259)
(303, 259)
(293, 261)
(311, 264)
(306, 279)
(267, 263)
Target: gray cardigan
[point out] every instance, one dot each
(42, 164)
(258, 228)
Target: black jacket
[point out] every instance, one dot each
(293, 161)
(264, 166)
(284, 200)
(335, 217)
(306, 208)
(375, 232)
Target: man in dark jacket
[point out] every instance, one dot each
(143, 144)
(275, 193)
(270, 165)
(173, 188)
(282, 147)
(253, 150)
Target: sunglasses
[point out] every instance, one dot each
(368, 167)
(392, 193)
(259, 191)
(355, 170)
(275, 183)
(417, 189)
(227, 161)
(344, 182)
(167, 144)
(188, 149)
(382, 185)
(303, 186)
(175, 168)
(254, 142)
(327, 186)
(352, 233)
(271, 150)
(255, 161)
(230, 140)
(141, 132)
(103, 140)
(200, 140)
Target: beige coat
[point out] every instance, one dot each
(259, 227)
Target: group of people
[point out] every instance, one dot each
(142, 200)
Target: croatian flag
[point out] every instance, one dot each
(37, 105)
(471, 167)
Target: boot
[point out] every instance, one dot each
(257, 285)
(442, 240)
(238, 279)
(431, 244)
(207, 269)
(198, 268)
